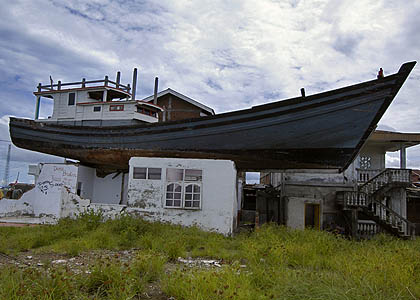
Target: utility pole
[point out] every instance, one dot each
(7, 167)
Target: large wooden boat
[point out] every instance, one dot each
(320, 131)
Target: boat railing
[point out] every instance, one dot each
(83, 84)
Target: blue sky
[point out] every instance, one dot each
(226, 54)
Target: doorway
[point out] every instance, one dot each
(312, 216)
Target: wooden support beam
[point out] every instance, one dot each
(118, 80)
(38, 102)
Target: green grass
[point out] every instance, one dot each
(270, 263)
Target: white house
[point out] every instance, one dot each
(199, 192)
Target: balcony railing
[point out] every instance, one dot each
(386, 177)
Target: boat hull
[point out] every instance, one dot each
(321, 131)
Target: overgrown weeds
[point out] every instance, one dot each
(271, 263)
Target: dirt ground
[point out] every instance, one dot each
(81, 263)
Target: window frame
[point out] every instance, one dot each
(116, 107)
(146, 173)
(184, 183)
(71, 102)
(95, 109)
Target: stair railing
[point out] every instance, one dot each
(386, 177)
(366, 229)
(391, 217)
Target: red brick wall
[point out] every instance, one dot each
(177, 109)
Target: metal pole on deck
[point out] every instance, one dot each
(118, 79)
(155, 91)
(38, 102)
(133, 93)
(38, 99)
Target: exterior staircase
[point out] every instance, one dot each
(365, 201)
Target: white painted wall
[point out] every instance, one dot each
(219, 196)
(22, 206)
(65, 111)
(86, 176)
(377, 156)
(54, 195)
(52, 179)
(108, 190)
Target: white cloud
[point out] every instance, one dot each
(225, 54)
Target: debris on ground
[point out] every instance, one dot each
(199, 262)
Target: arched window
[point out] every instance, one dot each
(173, 195)
(183, 188)
(192, 195)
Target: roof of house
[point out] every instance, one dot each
(181, 96)
(392, 141)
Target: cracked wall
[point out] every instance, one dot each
(218, 211)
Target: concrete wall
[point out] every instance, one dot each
(398, 201)
(308, 186)
(108, 189)
(377, 156)
(19, 207)
(218, 194)
(296, 211)
(86, 176)
(105, 190)
(54, 195)
(52, 179)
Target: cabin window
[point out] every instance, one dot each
(96, 108)
(72, 98)
(183, 188)
(116, 107)
(146, 111)
(149, 173)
